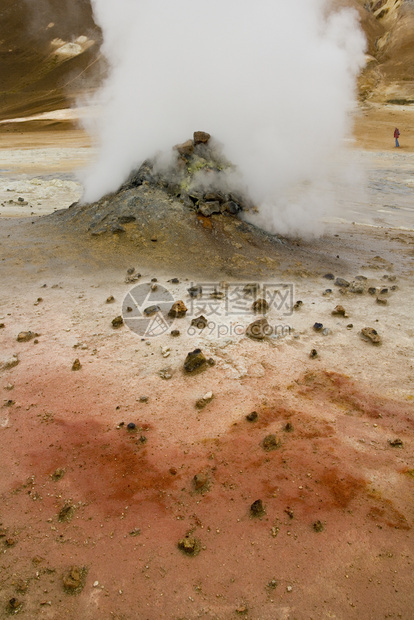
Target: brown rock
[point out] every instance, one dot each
(200, 481)
(186, 148)
(339, 311)
(117, 322)
(178, 310)
(257, 508)
(200, 322)
(76, 365)
(26, 336)
(74, 579)
(189, 545)
(369, 333)
(258, 330)
(195, 361)
(260, 305)
(201, 137)
(270, 442)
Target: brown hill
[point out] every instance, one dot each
(50, 53)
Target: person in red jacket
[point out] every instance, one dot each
(396, 136)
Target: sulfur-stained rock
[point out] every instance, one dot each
(186, 148)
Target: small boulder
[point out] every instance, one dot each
(371, 334)
(200, 322)
(271, 442)
(257, 509)
(26, 336)
(203, 402)
(117, 322)
(189, 545)
(186, 148)
(201, 137)
(178, 310)
(260, 305)
(76, 365)
(339, 311)
(341, 283)
(258, 330)
(195, 361)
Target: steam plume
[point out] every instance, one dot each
(271, 80)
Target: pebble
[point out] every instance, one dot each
(195, 360)
(258, 330)
(165, 351)
(257, 509)
(270, 442)
(252, 417)
(202, 402)
(26, 336)
(117, 322)
(76, 365)
(317, 327)
(341, 283)
(175, 333)
(369, 333)
(110, 299)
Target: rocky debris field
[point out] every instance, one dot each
(197, 471)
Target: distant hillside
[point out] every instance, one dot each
(50, 53)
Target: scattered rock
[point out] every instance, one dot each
(209, 208)
(202, 402)
(318, 327)
(58, 474)
(200, 322)
(151, 310)
(175, 333)
(174, 281)
(318, 526)
(26, 336)
(132, 278)
(372, 290)
(165, 373)
(195, 361)
(200, 482)
(341, 283)
(298, 305)
(327, 291)
(326, 331)
(369, 333)
(2, 325)
(143, 399)
(339, 311)
(131, 426)
(74, 579)
(242, 609)
(117, 322)
(195, 291)
(135, 532)
(258, 330)
(130, 271)
(8, 363)
(110, 299)
(14, 606)
(252, 417)
(272, 584)
(395, 443)
(186, 148)
(257, 509)
(289, 512)
(383, 301)
(260, 305)
(271, 442)
(177, 310)
(165, 351)
(66, 513)
(329, 276)
(76, 365)
(288, 428)
(189, 545)
(201, 137)
(313, 354)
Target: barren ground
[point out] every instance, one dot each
(128, 496)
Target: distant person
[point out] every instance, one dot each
(396, 136)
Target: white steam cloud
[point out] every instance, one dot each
(272, 80)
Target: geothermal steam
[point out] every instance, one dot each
(272, 81)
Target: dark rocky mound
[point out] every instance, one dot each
(188, 216)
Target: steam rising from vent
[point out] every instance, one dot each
(272, 81)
